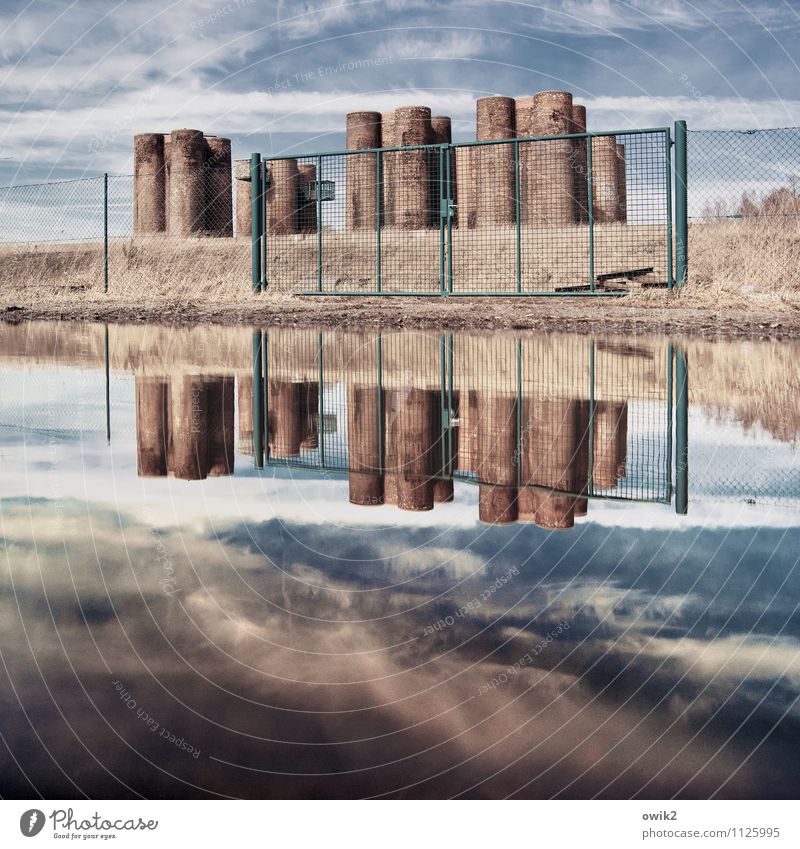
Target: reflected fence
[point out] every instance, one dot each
(539, 426)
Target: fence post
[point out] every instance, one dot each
(263, 207)
(681, 205)
(590, 209)
(378, 207)
(449, 178)
(105, 232)
(681, 433)
(258, 400)
(319, 239)
(444, 213)
(518, 218)
(256, 214)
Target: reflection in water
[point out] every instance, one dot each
(541, 427)
(358, 591)
(184, 426)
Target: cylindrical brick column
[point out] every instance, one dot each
(553, 510)
(364, 431)
(189, 442)
(582, 457)
(551, 458)
(441, 133)
(186, 183)
(443, 491)
(363, 131)
(497, 469)
(149, 177)
(497, 505)
(467, 459)
(244, 202)
(580, 165)
(412, 200)
(495, 163)
(441, 129)
(306, 198)
(388, 167)
(622, 185)
(605, 180)
(414, 446)
(443, 455)
(285, 418)
(152, 427)
(610, 441)
(622, 441)
(523, 127)
(523, 116)
(218, 187)
(466, 188)
(281, 206)
(390, 423)
(309, 414)
(244, 388)
(219, 400)
(551, 201)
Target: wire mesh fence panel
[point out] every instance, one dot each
(630, 189)
(302, 414)
(631, 390)
(545, 423)
(483, 240)
(52, 234)
(300, 205)
(361, 221)
(576, 213)
(411, 249)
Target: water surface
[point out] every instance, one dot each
(301, 563)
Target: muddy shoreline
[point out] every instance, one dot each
(582, 315)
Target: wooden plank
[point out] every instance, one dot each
(624, 275)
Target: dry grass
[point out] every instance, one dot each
(745, 263)
(148, 270)
(736, 264)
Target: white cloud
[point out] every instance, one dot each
(435, 45)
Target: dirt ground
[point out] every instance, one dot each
(655, 312)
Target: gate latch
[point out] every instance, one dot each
(447, 208)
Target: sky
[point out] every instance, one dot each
(80, 78)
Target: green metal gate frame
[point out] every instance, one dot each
(675, 179)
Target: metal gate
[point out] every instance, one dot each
(587, 213)
(404, 416)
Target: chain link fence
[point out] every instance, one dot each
(572, 214)
(91, 234)
(744, 175)
(744, 212)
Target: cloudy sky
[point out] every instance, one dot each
(80, 78)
